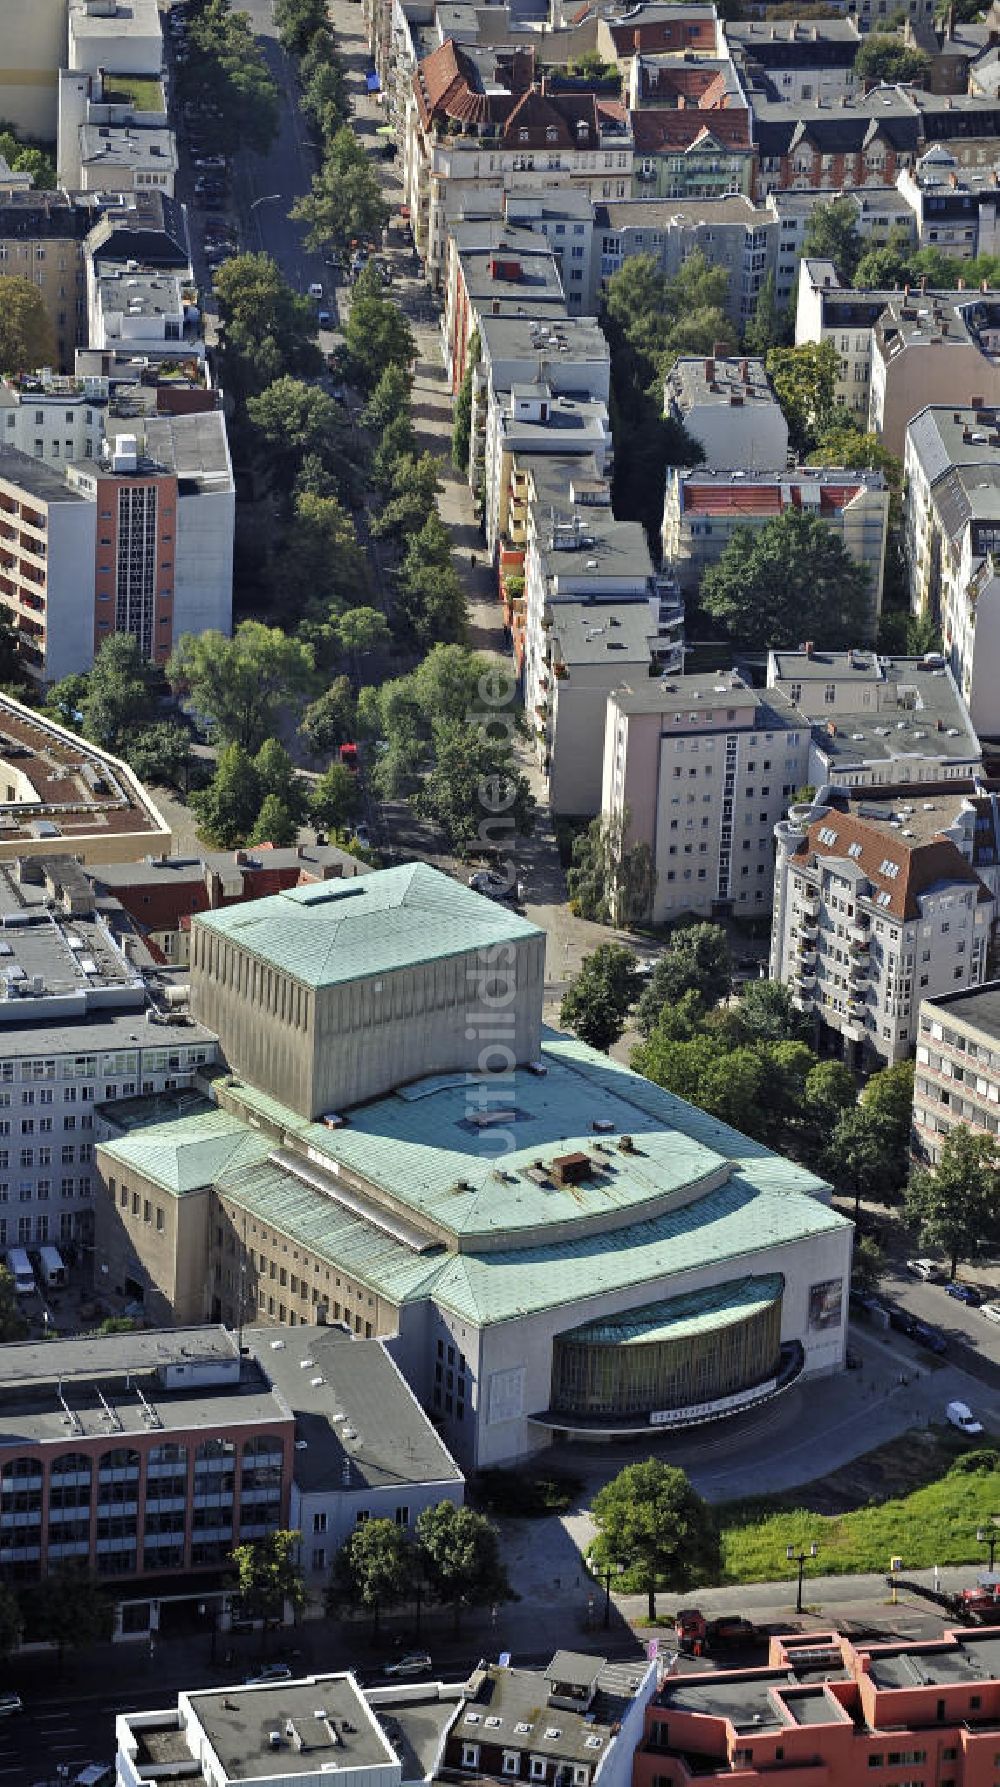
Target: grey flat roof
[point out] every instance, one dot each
(677, 693)
(361, 1393)
(37, 478)
(706, 380)
(513, 337)
(415, 1728)
(238, 1723)
(646, 214)
(977, 1006)
(129, 143)
(516, 1697)
(958, 1657)
(194, 447)
(167, 871)
(577, 1668)
(143, 294)
(602, 633)
(616, 548)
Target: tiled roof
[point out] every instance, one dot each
(919, 866)
(336, 931)
(658, 130)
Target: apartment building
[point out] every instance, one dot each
(932, 348)
(78, 1029)
(48, 534)
(569, 355)
(878, 903)
(957, 1077)
(41, 239)
(659, 28)
(118, 37)
(374, 1196)
(51, 417)
(702, 510)
(122, 158)
(837, 148)
(523, 425)
(879, 212)
(109, 106)
(704, 767)
(728, 406)
(730, 232)
(879, 722)
(34, 51)
(161, 894)
(142, 312)
(683, 153)
(827, 310)
(57, 787)
(577, 553)
(841, 1705)
(469, 136)
(955, 211)
(566, 219)
(797, 61)
(494, 269)
(951, 522)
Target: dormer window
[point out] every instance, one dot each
(551, 134)
(522, 136)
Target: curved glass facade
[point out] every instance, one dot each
(671, 1354)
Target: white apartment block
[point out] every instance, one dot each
(530, 421)
(957, 1079)
(115, 36)
(53, 418)
(952, 541)
(77, 1031)
(879, 722)
(877, 905)
(827, 311)
(704, 767)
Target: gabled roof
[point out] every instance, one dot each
(655, 131)
(880, 848)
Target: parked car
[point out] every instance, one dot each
(493, 887)
(928, 1337)
(213, 162)
(412, 1662)
(991, 1311)
(925, 1269)
(315, 290)
(961, 1416)
(963, 1293)
(270, 1672)
(361, 835)
(323, 319)
(9, 1704)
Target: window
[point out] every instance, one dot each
(470, 1755)
(319, 1523)
(403, 1516)
(319, 1557)
(511, 1762)
(538, 1768)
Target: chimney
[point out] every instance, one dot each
(709, 370)
(808, 648)
(720, 350)
(745, 371)
(961, 285)
(923, 282)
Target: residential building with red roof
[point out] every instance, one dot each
(702, 510)
(879, 903)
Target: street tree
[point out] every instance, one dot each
(269, 1578)
(322, 568)
(431, 606)
(294, 418)
(766, 1012)
(390, 398)
(71, 1610)
(346, 200)
(360, 632)
(276, 774)
(791, 579)
(460, 1558)
(269, 330)
(732, 1085)
(241, 682)
(473, 777)
(276, 824)
(651, 1520)
(227, 808)
(609, 880)
(867, 1263)
(889, 1096)
(121, 699)
(861, 1155)
(229, 81)
(13, 1325)
(26, 338)
(832, 234)
(805, 384)
(600, 996)
(335, 798)
(161, 752)
(297, 22)
(377, 334)
(829, 1093)
(373, 1569)
(331, 720)
(768, 327)
(461, 428)
(697, 960)
(883, 57)
(416, 481)
(955, 1205)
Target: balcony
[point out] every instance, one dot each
(809, 905)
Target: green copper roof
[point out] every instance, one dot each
(673, 1318)
(338, 931)
(185, 1153)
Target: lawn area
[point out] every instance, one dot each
(920, 1498)
(143, 92)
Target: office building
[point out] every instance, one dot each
(704, 767)
(878, 903)
(63, 794)
(845, 1706)
(729, 408)
(138, 1455)
(703, 508)
(957, 1079)
(547, 1243)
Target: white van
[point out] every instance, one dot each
(20, 1270)
(52, 1269)
(961, 1416)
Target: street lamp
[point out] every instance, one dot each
(606, 1573)
(989, 1538)
(799, 1557)
(265, 199)
(202, 1611)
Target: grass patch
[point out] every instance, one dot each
(526, 1495)
(143, 92)
(895, 1502)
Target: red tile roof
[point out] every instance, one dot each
(665, 129)
(920, 866)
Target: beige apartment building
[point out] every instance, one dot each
(41, 239)
(33, 48)
(957, 1078)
